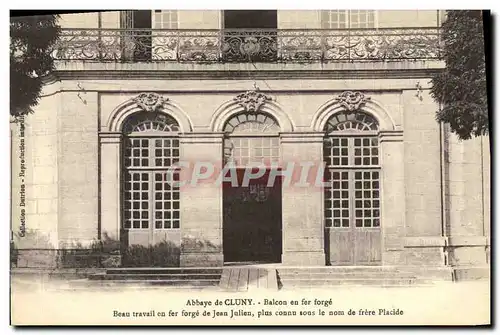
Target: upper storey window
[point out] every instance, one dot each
(341, 19)
(165, 19)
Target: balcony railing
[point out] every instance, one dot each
(265, 45)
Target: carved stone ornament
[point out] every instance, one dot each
(352, 101)
(251, 101)
(150, 102)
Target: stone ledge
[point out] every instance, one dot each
(466, 241)
(471, 273)
(425, 241)
(451, 241)
(177, 70)
(439, 272)
(391, 136)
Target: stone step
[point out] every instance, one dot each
(312, 283)
(158, 282)
(248, 279)
(335, 269)
(212, 270)
(438, 273)
(120, 285)
(345, 275)
(150, 276)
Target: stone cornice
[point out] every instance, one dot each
(279, 74)
(391, 136)
(110, 137)
(173, 70)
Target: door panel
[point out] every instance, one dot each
(341, 246)
(139, 237)
(367, 247)
(353, 246)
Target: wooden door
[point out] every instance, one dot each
(352, 233)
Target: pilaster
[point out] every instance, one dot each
(109, 182)
(201, 199)
(303, 226)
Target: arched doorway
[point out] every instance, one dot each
(352, 197)
(252, 210)
(151, 201)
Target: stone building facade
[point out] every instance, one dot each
(135, 92)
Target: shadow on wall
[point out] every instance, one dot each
(104, 253)
(163, 254)
(193, 244)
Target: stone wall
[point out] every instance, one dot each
(287, 19)
(78, 167)
(40, 180)
(468, 227)
(423, 186)
(62, 183)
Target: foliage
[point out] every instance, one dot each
(164, 254)
(13, 254)
(461, 87)
(80, 256)
(31, 39)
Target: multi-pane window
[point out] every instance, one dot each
(244, 150)
(251, 138)
(151, 194)
(165, 19)
(351, 153)
(341, 19)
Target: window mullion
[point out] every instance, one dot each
(151, 144)
(350, 151)
(352, 220)
(151, 147)
(151, 204)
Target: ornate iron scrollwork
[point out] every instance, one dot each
(247, 45)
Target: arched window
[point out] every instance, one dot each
(351, 155)
(151, 147)
(251, 137)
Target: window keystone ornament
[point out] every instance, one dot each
(251, 101)
(150, 102)
(352, 101)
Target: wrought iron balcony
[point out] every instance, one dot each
(265, 45)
